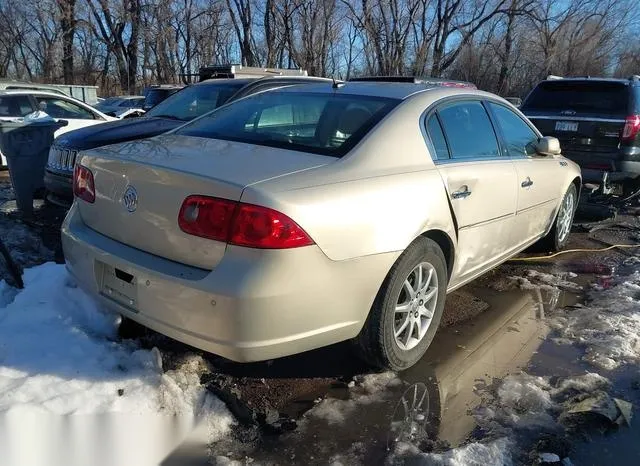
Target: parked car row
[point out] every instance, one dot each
(19, 103)
(258, 218)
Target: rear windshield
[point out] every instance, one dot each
(195, 101)
(155, 96)
(597, 97)
(320, 123)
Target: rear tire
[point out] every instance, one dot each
(558, 237)
(407, 310)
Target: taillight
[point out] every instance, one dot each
(240, 224)
(206, 217)
(631, 128)
(83, 185)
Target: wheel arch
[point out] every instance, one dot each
(577, 181)
(446, 244)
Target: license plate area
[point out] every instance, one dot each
(118, 285)
(567, 126)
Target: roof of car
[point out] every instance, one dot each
(208, 82)
(34, 92)
(153, 87)
(634, 80)
(392, 90)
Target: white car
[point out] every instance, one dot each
(19, 103)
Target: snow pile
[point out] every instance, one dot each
(537, 280)
(369, 389)
(609, 326)
(59, 355)
(474, 454)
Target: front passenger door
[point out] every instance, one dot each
(540, 178)
(480, 182)
(76, 115)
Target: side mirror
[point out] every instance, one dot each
(548, 146)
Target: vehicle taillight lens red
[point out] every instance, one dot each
(631, 128)
(83, 185)
(240, 224)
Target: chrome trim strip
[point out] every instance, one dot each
(535, 206)
(574, 118)
(486, 222)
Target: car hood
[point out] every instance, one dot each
(115, 131)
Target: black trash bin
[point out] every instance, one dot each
(26, 147)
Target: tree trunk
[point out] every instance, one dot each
(68, 30)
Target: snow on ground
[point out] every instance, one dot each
(368, 389)
(59, 354)
(608, 326)
(474, 454)
(537, 280)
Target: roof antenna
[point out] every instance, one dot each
(336, 84)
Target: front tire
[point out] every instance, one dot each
(558, 237)
(407, 310)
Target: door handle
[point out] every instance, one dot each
(461, 193)
(526, 183)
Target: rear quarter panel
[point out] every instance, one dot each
(376, 199)
(368, 216)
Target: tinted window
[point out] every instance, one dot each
(194, 101)
(519, 137)
(437, 137)
(60, 108)
(155, 96)
(15, 106)
(469, 130)
(321, 123)
(600, 97)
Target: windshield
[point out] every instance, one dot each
(598, 97)
(194, 101)
(106, 103)
(321, 123)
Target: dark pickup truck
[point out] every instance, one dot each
(597, 121)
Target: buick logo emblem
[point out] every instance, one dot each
(130, 199)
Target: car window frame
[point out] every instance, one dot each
(503, 139)
(446, 101)
(86, 108)
(432, 147)
(29, 99)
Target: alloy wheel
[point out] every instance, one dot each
(565, 216)
(415, 306)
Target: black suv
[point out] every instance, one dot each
(185, 105)
(157, 94)
(597, 121)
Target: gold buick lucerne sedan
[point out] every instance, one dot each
(298, 218)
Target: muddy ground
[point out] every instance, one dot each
(270, 398)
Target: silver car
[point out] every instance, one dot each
(297, 218)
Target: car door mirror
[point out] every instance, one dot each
(548, 146)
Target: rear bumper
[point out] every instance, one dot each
(59, 188)
(619, 165)
(255, 305)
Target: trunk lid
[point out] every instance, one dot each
(587, 116)
(160, 173)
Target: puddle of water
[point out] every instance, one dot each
(435, 396)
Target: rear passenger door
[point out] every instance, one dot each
(540, 178)
(480, 181)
